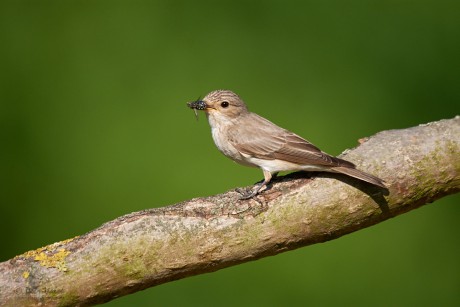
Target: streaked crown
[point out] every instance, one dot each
(226, 102)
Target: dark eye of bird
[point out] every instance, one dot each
(224, 104)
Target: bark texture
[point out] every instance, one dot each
(147, 248)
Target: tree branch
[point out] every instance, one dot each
(151, 247)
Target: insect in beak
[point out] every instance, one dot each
(197, 105)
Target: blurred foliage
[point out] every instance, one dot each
(93, 125)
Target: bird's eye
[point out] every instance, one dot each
(224, 104)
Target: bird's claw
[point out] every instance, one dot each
(247, 194)
(244, 193)
(251, 192)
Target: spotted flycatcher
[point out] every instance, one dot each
(252, 140)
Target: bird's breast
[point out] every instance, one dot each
(221, 139)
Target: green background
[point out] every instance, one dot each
(93, 125)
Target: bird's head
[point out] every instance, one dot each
(220, 104)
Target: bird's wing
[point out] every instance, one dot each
(262, 139)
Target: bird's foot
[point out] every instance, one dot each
(245, 194)
(250, 193)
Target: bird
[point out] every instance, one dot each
(251, 140)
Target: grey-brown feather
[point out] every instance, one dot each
(353, 172)
(269, 141)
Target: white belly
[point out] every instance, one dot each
(274, 166)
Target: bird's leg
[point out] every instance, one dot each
(267, 178)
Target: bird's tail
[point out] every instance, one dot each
(353, 172)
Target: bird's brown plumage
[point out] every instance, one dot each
(250, 139)
(262, 139)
